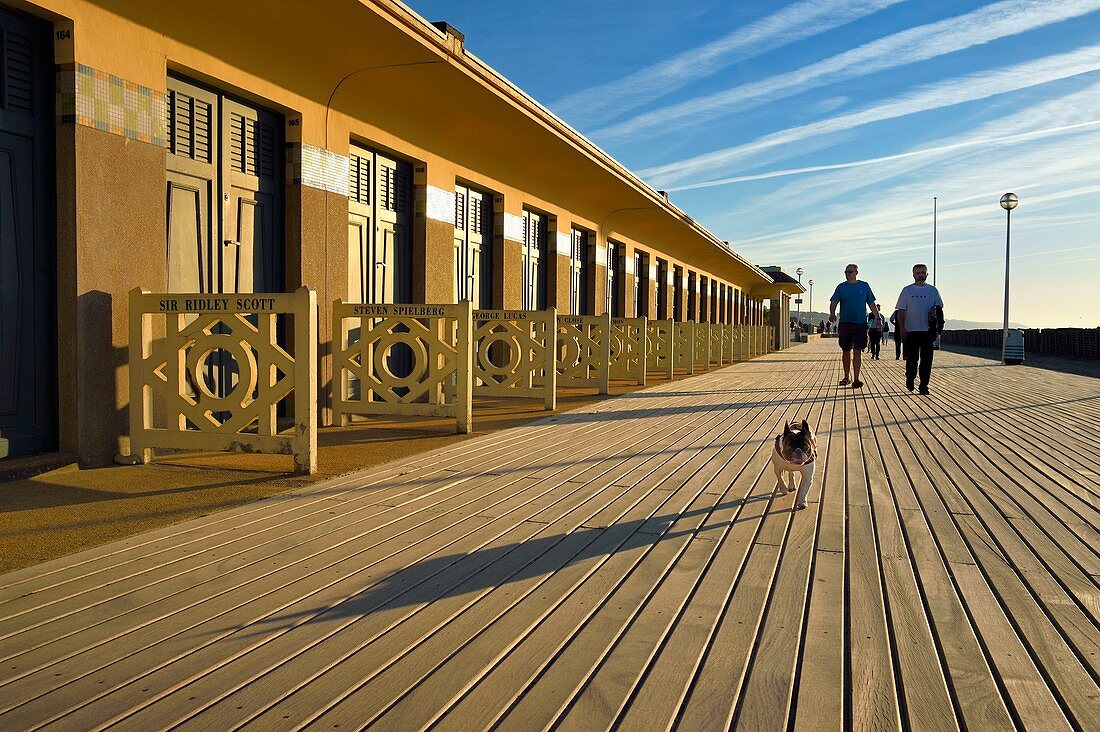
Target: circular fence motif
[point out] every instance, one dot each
(569, 349)
(210, 356)
(384, 356)
(509, 345)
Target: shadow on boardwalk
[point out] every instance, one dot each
(472, 573)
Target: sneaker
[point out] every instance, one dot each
(844, 382)
(909, 386)
(924, 390)
(857, 384)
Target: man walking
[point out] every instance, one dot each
(897, 336)
(854, 297)
(914, 304)
(875, 324)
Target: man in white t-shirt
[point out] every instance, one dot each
(914, 303)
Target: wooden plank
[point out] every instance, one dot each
(769, 689)
(968, 674)
(1075, 687)
(400, 621)
(819, 701)
(162, 661)
(1027, 693)
(483, 585)
(623, 617)
(248, 561)
(922, 683)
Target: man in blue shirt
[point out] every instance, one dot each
(854, 297)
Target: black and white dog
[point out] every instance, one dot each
(795, 452)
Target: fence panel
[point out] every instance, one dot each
(514, 354)
(661, 355)
(431, 344)
(584, 352)
(729, 334)
(628, 348)
(216, 378)
(685, 347)
(702, 345)
(1066, 342)
(716, 353)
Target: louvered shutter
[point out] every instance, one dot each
(461, 244)
(28, 385)
(252, 230)
(193, 202)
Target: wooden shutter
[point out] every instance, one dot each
(194, 187)
(252, 199)
(28, 384)
(578, 272)
(534, 270)
(360, 226)
(462, 245)
(479, 266)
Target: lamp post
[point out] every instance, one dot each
(934, 213)
(798, 301)
(810, 309)
(1009, 201)
(936, 341)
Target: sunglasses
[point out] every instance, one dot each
(851, 271)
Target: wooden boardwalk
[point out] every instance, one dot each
(623, 565)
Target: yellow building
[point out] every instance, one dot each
(346, 145)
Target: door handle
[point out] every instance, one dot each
(230, 242)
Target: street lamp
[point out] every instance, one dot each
(798, 301)
(936, 340)
(1009, 201)
(934, 212)
(810, 309)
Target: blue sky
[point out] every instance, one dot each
(816, 132)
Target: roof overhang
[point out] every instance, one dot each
(419, 83)
(776, 290)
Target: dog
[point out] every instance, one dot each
(795, 452)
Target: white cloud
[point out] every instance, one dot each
(793, 23)
(937, 150)
(1074, 112)
(935, 96)
(992, 22)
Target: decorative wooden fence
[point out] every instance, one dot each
(628, 348)
(702, 345)
(584, 352)
(216, 378)
(661, 345)
(435, 342)
(717, 354)
(515, 353)
(685, 347)
(729, 342)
